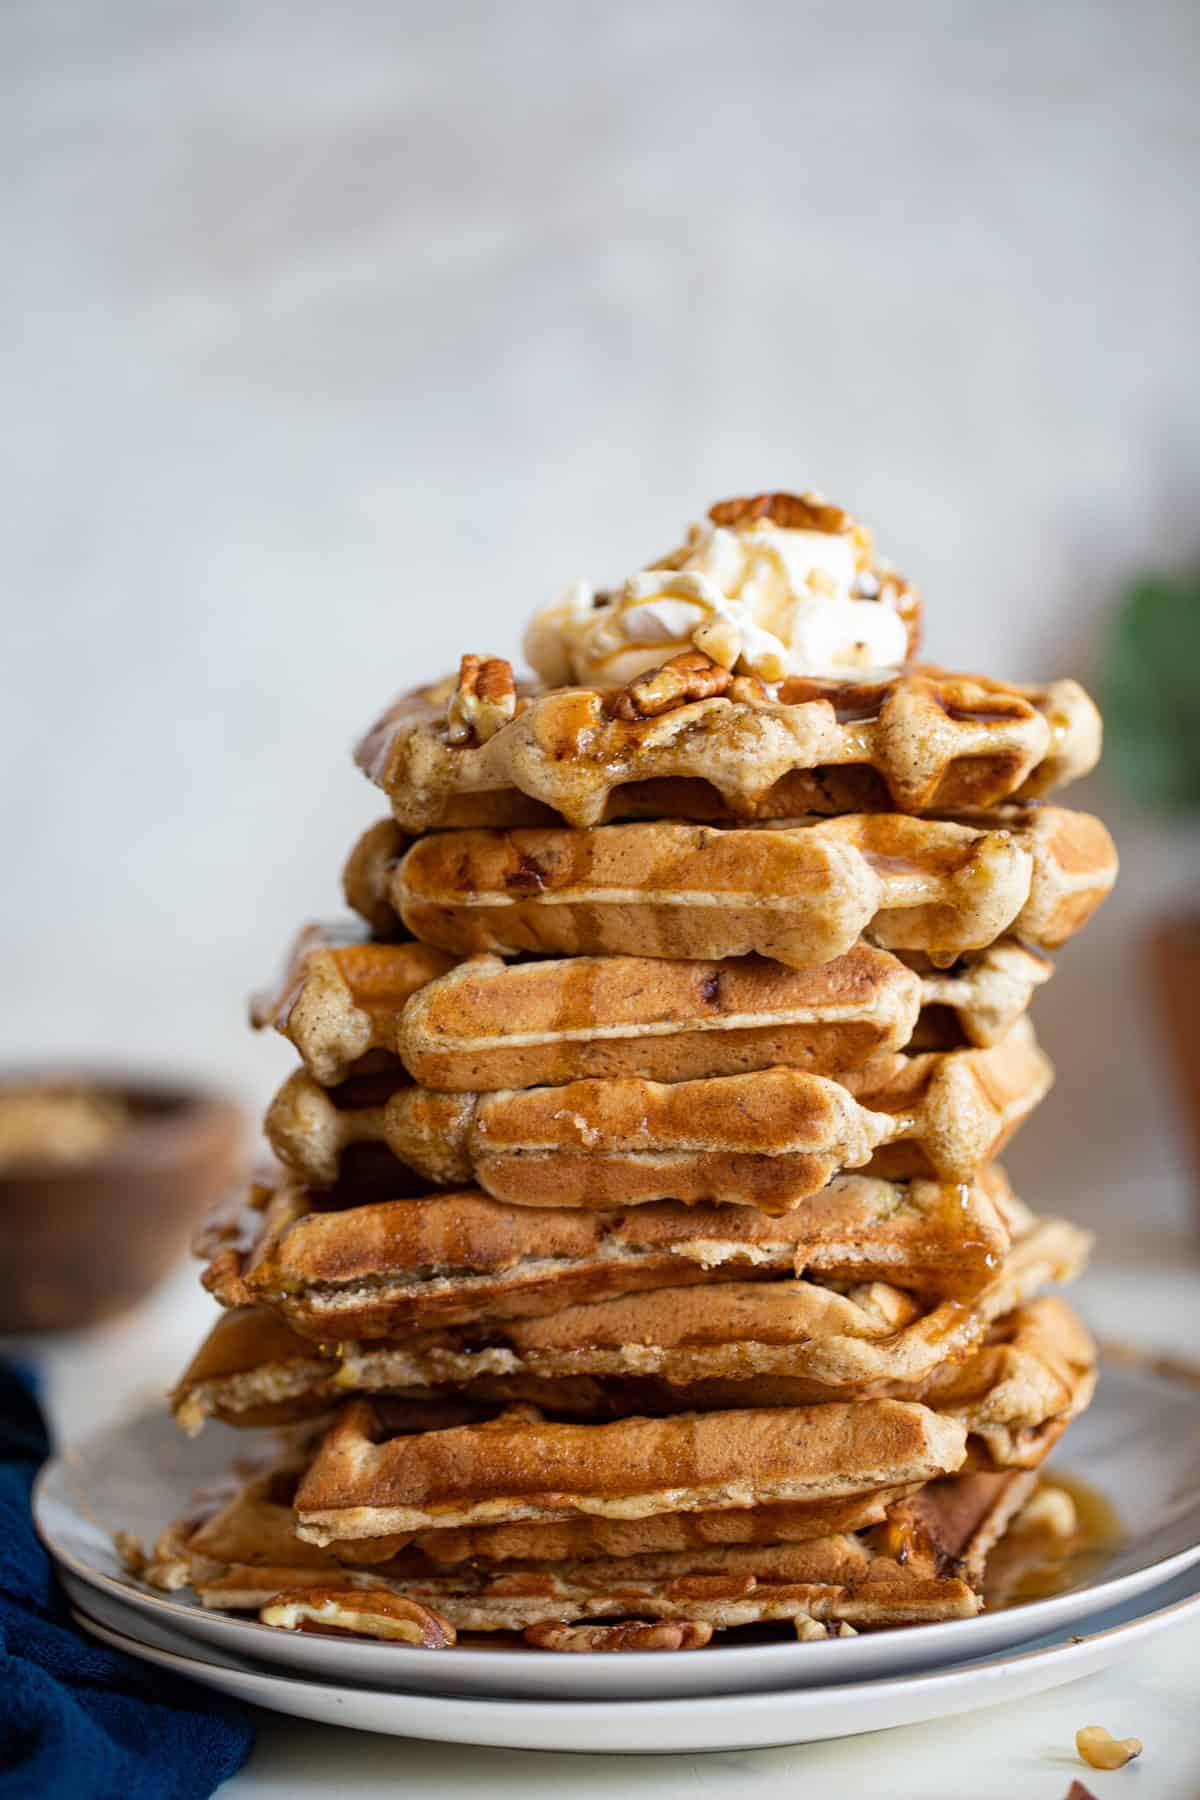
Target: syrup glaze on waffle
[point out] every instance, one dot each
(392, 1267)
(768, 1139)
(799, 893)
(921, 740)
(350, 1006)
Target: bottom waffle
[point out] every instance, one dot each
(921, 1558)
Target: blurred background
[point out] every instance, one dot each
(338, 338)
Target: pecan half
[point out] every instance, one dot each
(792, 512)
(664, 1634)
(484, 700)
(362, 1612)
(689, 676)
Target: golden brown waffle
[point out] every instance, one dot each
(923, 1559)
(338, 998)
(336, 1610)
(953, 1525)
(777, 1343)
(587, 1538)
(348, 1005)
(978, 998)
(366, 1483)
(769, 1139)
(920, 741)
(1030, 1373)
(393, 1267)
(832, 1579)
(925, 1562)
(490, 1024)
(799, 893)
(247, 1550)
(768, 1342)
(253, 1370)
(1036, 1367)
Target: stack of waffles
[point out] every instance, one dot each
(637, 1263)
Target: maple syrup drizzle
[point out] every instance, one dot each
(1051, 1565)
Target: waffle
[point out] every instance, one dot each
(924, 1563)
(253, 1370)
(349, 1005)
(837, 1580)
(768, 1139)
(246, 1550)
(894, 1559)
(1036, 1369)
(393, 1267)
(978, 998)
(920, 741)
(794, 1341)
(1030, 1373)
(338, 998)
(365, 1482)
(809, 1340)
(799, 893)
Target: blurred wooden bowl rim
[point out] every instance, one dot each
(83, 1240)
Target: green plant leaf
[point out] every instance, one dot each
(1152, 693)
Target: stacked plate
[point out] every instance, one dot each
(1140, 1433)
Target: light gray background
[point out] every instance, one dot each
(336, 338)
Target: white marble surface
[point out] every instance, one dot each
(1138, 1292)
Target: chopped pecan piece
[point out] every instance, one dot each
(690, 676)
(484, 700)
(664, 1634)
(1099, 1749)
(129, 1549)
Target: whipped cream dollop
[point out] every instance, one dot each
(759, 597)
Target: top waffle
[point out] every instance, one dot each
(798, 893)
(695, 743)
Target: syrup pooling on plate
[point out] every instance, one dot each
(1041, 1560)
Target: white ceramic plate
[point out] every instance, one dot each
(726, 1722)
(1138, 1442)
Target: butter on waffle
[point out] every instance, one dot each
(768, 1139)
(919, 741)
(799, 893)
(392, 1267)
(813, 1339)
(365, 1482)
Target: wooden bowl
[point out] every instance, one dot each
(81, 1241)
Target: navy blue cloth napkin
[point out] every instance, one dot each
(77, 1719)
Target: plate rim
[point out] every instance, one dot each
(1078, 1648)
(1043, 1616)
